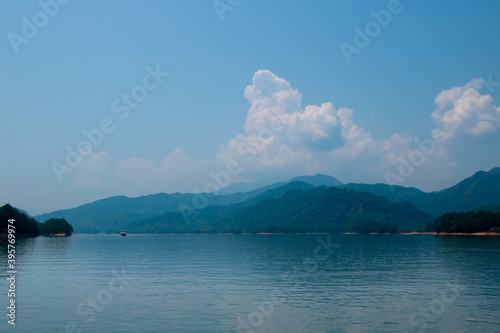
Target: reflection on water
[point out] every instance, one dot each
(268, 283)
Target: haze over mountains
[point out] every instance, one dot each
(480, 190)
(244, 210)
(317, 180)
(110, 213)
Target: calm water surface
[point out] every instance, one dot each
(267, 283)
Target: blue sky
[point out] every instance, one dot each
(63, 80)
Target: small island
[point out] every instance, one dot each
(56, 227)
(27, 226)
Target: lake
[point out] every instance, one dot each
(259, 283)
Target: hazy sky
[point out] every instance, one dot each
(256, 89)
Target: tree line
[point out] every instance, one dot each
(26, 226)
(467, 222)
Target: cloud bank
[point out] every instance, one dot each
(283, 139)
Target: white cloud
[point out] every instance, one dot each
(482, 127)
(315, 127)
(463, 110)
(282, 139)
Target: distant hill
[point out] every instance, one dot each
(243, 187)
(394, 193)
(295, 207)
(260, 187)
(25, 226)
(318, 180)
(482, 189)
(331, 210)
(102, 215)
(25, 212)
(112, 213)
(167, 223)
(490, 208)
(204, 219)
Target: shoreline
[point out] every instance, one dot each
(309, 233)
(374, 233)
(453, 233)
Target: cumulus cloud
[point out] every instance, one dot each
(463, 110)
(281, 136)
(315, 127)
(282, 139)
(279, 132)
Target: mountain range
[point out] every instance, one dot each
(317, 180)
(236, 210)
(115, 212)
(473, 193)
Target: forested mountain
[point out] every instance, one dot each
(316, 180)
(25, 226)
(297, 208)
(393, 193)
(489, 208)
(204, 220)
(482, 189)
(114, 213)
(102, 215)
(331, 210)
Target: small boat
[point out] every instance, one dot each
(123, 233)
